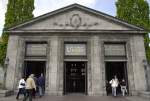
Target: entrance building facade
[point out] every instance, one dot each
(78, 50)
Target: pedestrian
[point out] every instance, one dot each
(107, 87)
(21, 88)
(36, 84)
(41, 85)
(114, 84)
(123, 87)
(30, 85)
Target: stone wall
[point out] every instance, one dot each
(148, 76)
(1, 75)
(13, 54)
(137, 56)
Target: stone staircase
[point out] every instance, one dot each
(145, 94)
(5, 93)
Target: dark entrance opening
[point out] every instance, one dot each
(120, 70)
(34, 67)
(75, 77)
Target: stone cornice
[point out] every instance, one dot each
(76, 31)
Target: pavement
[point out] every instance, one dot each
(79, 98)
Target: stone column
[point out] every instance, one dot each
(12, 55)
(97, 83)
(138, 55)
(20, 62)
(53, 66)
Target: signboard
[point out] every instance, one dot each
(75, 49)
(115, 50)
(36, 49)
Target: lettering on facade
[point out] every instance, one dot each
(75, 49)
(115, 49)
(36, 49)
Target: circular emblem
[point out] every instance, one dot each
(75, 21)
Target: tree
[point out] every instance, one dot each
(18, 11)
(136, 12)
(2, 53)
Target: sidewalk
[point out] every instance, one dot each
(78, 98)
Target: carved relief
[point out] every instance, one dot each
(75, 22)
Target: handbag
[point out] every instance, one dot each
(22, 84)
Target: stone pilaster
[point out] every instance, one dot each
(12, 66)
(138, 55)
(20, 62)
(148, 77)
(97, 83)
(53, 65)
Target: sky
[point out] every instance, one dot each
(45, 6)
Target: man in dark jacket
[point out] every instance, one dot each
(123, 87)
(41, 85)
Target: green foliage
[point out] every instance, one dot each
(136, 12)
(18, 11)
(3, 47)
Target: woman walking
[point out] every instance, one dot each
(21, 87)
(114, 84)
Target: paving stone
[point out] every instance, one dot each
(78, 98)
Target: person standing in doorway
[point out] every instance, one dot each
(21, 87)
(114, 84)
(123, 87)
(30, 85)
(107, 87)
(36, 85)
(41, 85)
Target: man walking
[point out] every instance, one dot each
(30, 85)
(41, 85)
(123, 87)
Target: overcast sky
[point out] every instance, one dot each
(44, 6)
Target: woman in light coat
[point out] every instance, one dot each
(114, 84)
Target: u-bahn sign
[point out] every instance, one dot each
(75, 49)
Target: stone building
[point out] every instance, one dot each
(1, 75)
(78, 50)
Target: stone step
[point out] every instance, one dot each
(5, 93)
(145, 94)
